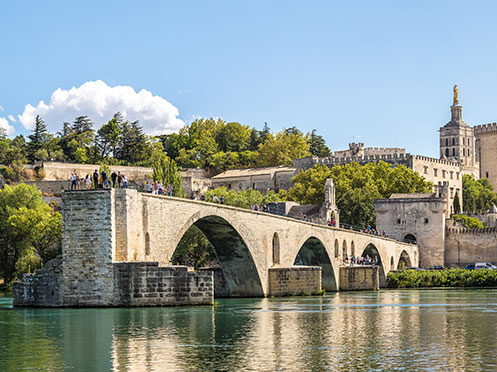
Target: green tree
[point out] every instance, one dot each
(317, 145)
(282, 149)
(166, 172)
(107, 139)
(477, 195)
(242, 199)
(356, 187)
(233, 137)
(457, 205)
(38, 140)
(194, 250)
(30, 231)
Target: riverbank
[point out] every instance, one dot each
(451, 278)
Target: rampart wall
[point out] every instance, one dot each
(464, 246)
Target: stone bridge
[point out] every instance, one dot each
(123, 225)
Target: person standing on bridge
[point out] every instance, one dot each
(95, 179)
(113, 177)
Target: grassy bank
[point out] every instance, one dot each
(442, 278)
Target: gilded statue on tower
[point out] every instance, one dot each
(456, 93)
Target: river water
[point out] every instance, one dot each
(397, 330)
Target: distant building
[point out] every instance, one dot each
(456, 156)
(420, 219)
(261, 179)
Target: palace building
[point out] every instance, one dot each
(457, 156)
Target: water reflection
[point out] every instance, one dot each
(390, 330)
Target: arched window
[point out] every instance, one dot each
(453, 152)
(463, 141)
(453, 141)
(344, 249)
(276, 249)
(352, 249)
(446, 142)
(446, 152)
(336, 248)
(463, 152)
(147, 244)
(392, 264)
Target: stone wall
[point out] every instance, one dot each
(465, 246)
(359, 278)
(486, 151)
(134, 284)
(147, 284)
(419, 215)
(294, 280)
(50, 187)
(55, 171)
(221, 288)
(40, 289)
(88, 247)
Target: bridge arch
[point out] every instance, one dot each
(232, 253)
(314, 253)
(404, 261)
(372, 251)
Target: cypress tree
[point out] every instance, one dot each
(457, 205)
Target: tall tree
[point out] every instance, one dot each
(457, 205)
(166, 172)
(107, 139)
(317, 145)
(38, 139)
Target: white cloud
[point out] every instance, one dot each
(12, 118)
(100, 102)
(4, 123)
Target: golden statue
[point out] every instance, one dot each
(456, 93)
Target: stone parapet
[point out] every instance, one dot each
(359, 278)
(294, 280)
(485, 128)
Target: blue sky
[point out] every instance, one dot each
(380, 72)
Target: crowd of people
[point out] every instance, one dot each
(360, 260)
(369, 230)
(99, 181)
(157, 188)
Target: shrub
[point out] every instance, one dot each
(472, 223)
(443, 278)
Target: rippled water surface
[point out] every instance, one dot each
(431, 330)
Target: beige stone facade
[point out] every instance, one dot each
(417, 218)
(421, 218)
(262, 179)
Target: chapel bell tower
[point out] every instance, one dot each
(457, 137)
